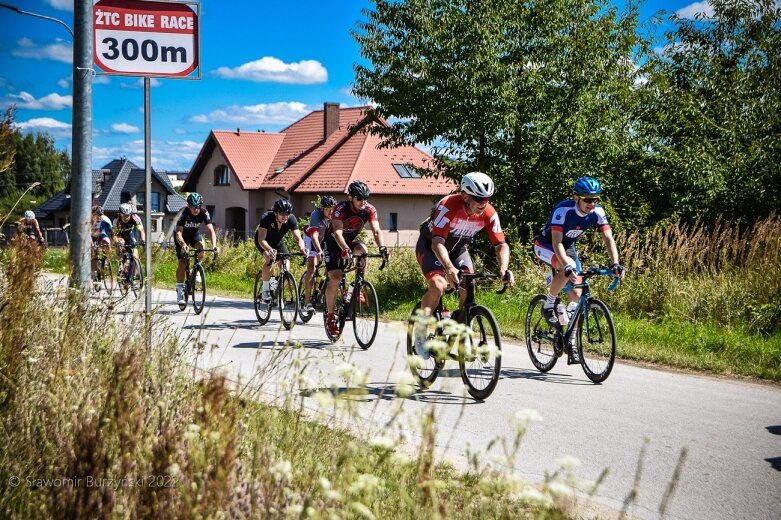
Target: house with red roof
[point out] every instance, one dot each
(240, 174)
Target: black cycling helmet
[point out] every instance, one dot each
(194, 199)
(283, 206)
(97, 209)
(358, 189)
(327, 202)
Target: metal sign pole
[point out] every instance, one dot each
(148, 210)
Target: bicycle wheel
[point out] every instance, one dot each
(540, 336)
(106, 274)
(287, 297)
(425, 367)
(596, 340)
(262, 309)
(366, 313)
(122, 279)
(135, 276)
(338, 305)
(305, 316)
(198, 288)
(480, 356)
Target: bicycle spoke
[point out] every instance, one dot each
(597, 341)
(540, 336)
(480, 354)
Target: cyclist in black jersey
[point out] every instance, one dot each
(128, 229)
(188, 235)
(270, 234)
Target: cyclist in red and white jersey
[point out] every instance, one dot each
(442, 246)
(347, 221)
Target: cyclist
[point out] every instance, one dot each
(128, 229)
(101, 233)
(319, 227)
(342, 242)
(442, 245)
(29, 228)
(269, 238)
(188, 235)
(555, 245)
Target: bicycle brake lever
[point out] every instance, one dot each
(503, 289)
(614, 284)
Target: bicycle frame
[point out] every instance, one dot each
(360, 269)
(565, 333)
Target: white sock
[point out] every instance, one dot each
(550, 301)
(266, 285)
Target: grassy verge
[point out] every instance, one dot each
(94, 426)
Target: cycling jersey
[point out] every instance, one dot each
(450, 221)
(571, 223)
(318, 222)
(27, 228)
(101, 228)
(191, 224)
(125, 229)
(352, 221)
(274, 232)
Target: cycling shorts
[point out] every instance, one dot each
(308, 245)
(430, 264)
(195, 239)
(545, 253)
(333, 253)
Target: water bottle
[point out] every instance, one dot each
(445, 314)
(571, 306)
(349, 293)
(561, 312)
(548, 278)
(272, 286)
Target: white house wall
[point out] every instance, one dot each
(221, 197)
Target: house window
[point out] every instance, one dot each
(222, 175)
(155, 202)
(140, 201)
(210, 209)
(154, 225)
(406, 172)
(393, 222)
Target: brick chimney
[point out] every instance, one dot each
(330, 119)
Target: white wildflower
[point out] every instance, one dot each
(568, 462)
(382, 443)
(532, 494)
(364, 485)
(405, 383)
(559, 489)
(282, 472)
(173, 470)
(402, 459)
(362, 510)
(523, 417)
(324, 400)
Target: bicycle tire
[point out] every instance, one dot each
(107, 275)
(122, 279)
(198, 288)
(540, 336)
(597, 345)
(303, 315)
(183, 306)
(136, 276)
(338, 309)
(262, 310)
(366, 314)
(480, 357)
(287, 297)
(424, 370)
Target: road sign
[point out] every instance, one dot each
(139, 38)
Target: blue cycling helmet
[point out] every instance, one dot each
(194, 199)
(587, 186)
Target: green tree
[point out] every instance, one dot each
(711, 115)
(534, 93)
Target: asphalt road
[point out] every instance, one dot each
(730, 430)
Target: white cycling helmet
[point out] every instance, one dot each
(477, 184)
(125, 209)
(29, 215)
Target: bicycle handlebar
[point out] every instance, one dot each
(370, 255)
(598, 271)
(283, 256)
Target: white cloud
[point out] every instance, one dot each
(101, 79)
(59, 51)
(180, 131)
(282, 113)
(275, 70)
(63, 83)
(50, 102)
(62, 5)
(124, 128)
(166, 155)
(691, 10)
(54, 128)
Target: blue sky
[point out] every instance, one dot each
(264, 65)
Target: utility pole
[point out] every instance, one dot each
(81, 145)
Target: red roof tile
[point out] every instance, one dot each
(249, 154)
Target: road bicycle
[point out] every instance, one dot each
(357, 303)
(194, 281)
(317, 298)
(130, 276)
(283, 291)
(590, 327)
(103, 275)
(432, 340)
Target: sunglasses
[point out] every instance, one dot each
(480, 200)
(590, 200)
(360, 199)
(195, 207)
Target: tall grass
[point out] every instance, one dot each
(93, 426)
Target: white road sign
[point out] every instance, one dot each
(140, 38)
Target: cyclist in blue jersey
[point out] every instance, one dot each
(555, 245)
(269, 238)
(314, 238)
(101, 233)
(188, 234)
